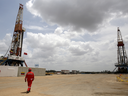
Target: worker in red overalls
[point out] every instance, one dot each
(30, 77)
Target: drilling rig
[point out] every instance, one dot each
(14, 57)
(122, 64)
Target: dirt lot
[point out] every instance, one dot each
(65, 85)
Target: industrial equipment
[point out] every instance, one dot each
(14, 57)
(122, 64)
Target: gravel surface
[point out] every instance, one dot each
(65, 85)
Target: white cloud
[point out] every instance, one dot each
(34, 27)
(80, 48)
(5, 43)
(55, 51)
(58, 30)
(29, 4)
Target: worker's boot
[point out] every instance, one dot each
(28, 91)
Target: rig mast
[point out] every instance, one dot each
(17, 40)
(121, 54)
(14, 57)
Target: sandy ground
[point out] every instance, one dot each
(65, 85)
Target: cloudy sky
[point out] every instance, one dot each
(67, 34)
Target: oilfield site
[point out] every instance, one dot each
(65, 85)
(13, 69)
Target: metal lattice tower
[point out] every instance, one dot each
(17, 40)
(14, 58)
(121, 54)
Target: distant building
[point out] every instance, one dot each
(74, 71)
(65, 71)
(58, 72)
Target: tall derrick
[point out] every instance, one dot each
(17, 40)
(121, 54)
(14, 57)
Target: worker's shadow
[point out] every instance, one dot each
(23, 92)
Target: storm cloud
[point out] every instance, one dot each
(78, 14)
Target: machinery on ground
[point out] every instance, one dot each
(122, 64)
(14, 57)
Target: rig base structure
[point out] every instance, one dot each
(12, 61)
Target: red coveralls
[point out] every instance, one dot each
(30, 77)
